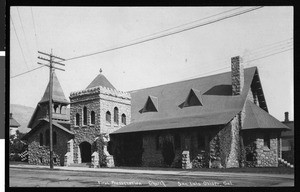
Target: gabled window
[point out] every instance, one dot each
(193, 99)
(41, 139)
(123, 119)
(77, 119)
(151, 105)
(108, 117)
(116, 115)
(92, 117)
(84, 115)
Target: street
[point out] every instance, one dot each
(24, 177)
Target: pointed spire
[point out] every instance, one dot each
(100, 80)
(58, 94)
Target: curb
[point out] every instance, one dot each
(155, 172)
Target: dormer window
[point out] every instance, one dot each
(151, 105)
(193, 99)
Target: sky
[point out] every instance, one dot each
(202, 51)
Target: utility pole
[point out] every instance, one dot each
(51, 67)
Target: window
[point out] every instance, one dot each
(55, 160)
(108, 117)
(92, 117)
(123, 119)
(158, 142)
(77, 119)
(116, 115)
(84, 115)
(267, 141)
(47, 137)
(193, 99)
(41, 139)
(177, 141)
(54, 138)
(201, 141)
(151, 105)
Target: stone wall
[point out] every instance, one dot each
(100, 100)
(40, 155)
(266, 157)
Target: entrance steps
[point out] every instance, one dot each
(285, 163)
(80, 165)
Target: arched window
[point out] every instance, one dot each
(84, 115)
(108, 117)
(41, 139)
(54, 138)
(123, 119)
(77, 119)
(92, 117)
(116, 115)
(47, 137)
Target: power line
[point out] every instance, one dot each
(248, 63)
(164, 35)
(34, 28)
(269, 55)
(18, 41)
(169, 29)
(23, 30)
(26, 72)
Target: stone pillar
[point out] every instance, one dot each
(95, 160)
(186, 163)
(235, 145)
(78, 155)
(109, 158)
(69, 156)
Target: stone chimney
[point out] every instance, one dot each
(286, 115)
(237, 75)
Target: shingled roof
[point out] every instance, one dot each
(13, 122)
(60, 125)
(218, 105)
(58, 93)
(100, 80)
(256, 118)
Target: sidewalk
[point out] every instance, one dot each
(155, 172)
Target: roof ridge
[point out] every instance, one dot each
(187, 80)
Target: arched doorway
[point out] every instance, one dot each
(85, 151)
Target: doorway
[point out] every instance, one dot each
(85, 151)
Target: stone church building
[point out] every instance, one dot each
(220, 120)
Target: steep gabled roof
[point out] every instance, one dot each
(13, 122)
(171, 96)
(214, 109)
(100, 80)
(257, 118)
(55, 123)
(58, 93)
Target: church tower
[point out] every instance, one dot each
(97, 110)
(59, 105)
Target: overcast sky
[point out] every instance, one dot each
(75, 31)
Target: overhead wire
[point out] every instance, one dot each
(27, 71)
(18, 41)
(164, 35)
(24, 34)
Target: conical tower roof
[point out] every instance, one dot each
(58, 95)
(100, 80)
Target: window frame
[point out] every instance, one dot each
(116, 115)
(84, 116)
(106, 117)
(123, 119)
(92, 118)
